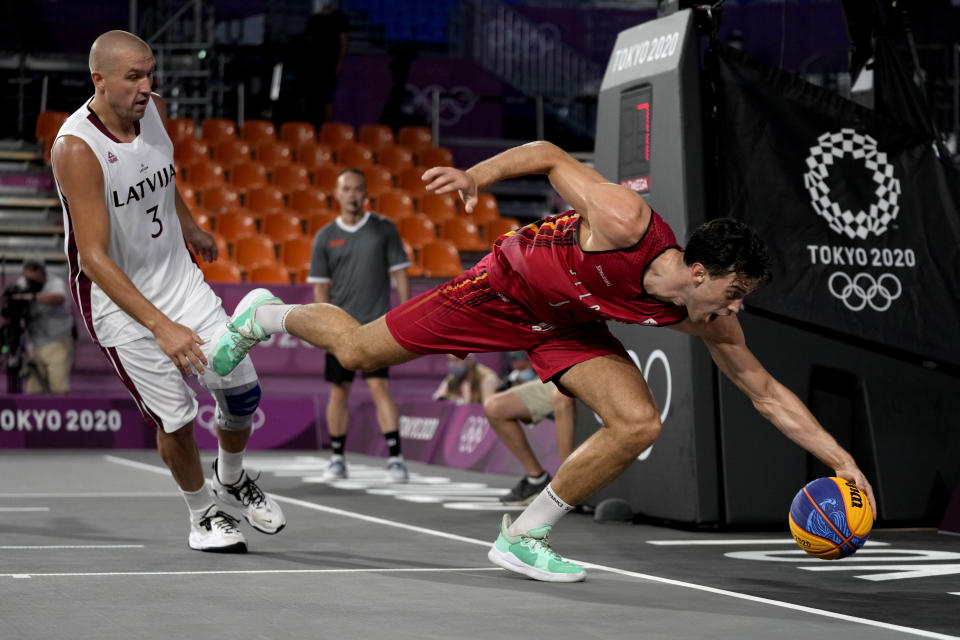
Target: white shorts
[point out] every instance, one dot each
(158, 387)
(535, 396)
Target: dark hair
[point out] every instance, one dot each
(34, 265)
(355, 172)
(726, 245)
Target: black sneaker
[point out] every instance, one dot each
(524, 492)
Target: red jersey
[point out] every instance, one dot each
(542, 267)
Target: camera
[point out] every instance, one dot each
(15, 311)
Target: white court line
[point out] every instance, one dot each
(8, 509)
(72, 546)
(633, 574)
(745, 541)
(91, 494)
(240, 572)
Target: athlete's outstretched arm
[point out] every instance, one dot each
(616, 216)
(80, 179)
(728, 348)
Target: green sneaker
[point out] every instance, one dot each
(530, 554)
(242, 332)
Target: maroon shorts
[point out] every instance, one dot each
(465, 315)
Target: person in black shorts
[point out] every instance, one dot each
(353, 260)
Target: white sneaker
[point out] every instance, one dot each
(336, 470)
(217, 532)
(258, 508)
(396, 470)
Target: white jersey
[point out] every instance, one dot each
(146, 240)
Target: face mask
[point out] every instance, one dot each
(526, 375)
(459, 371)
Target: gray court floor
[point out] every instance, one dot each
(93, 545)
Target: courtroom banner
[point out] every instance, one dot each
(860, 214)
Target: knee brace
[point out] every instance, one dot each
(236, 406)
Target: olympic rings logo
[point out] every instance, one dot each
(454, 103)
(862, 290)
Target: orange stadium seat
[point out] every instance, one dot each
(376, 136)
(314, 154)
(411, 181)
(48, 124)
(249, 175)
(219, 198)
(440, 259)
(318, 220)
(216, 130)
(256, 132)
(308, 200)
(231, 151)
(222, 270)
(395, 158)
(486, 209)
(273, 153)
(325, 177)
(296, 252)
(204, 218)
(438, 207)
(281, 226)
(354, 155)
(499, 226)
(254, 251)
(379, 179)
(223, 247)
(415, 138)
(297, 133)
(236, 224)
(435, 157)
(336, 133)
(190, 150)
(394, 204)
(188, 193)
(414, 270)
(181, 129)
(264, 200)
(417, 230)
(302, 272)
(269, 274)
(290, 177)
(204, 173)
(463, 233)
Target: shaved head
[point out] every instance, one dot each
(110, 46)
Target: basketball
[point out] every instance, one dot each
(830, 518)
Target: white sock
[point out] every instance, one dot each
(546, 508)
(535, 480)
(272, 316)
(229, 465)
(198, 501)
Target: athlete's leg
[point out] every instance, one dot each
(179, 452)
(358, 347)
(504, 410)
(612, 386)
(388, 416)
(337, 415)
(564, 417)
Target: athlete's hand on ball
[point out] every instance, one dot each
(447, 179)
(182, 346)
(853, 474)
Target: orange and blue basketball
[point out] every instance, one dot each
(830, 518)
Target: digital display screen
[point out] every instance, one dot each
(636, 125)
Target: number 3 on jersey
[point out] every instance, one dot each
(153, 212)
